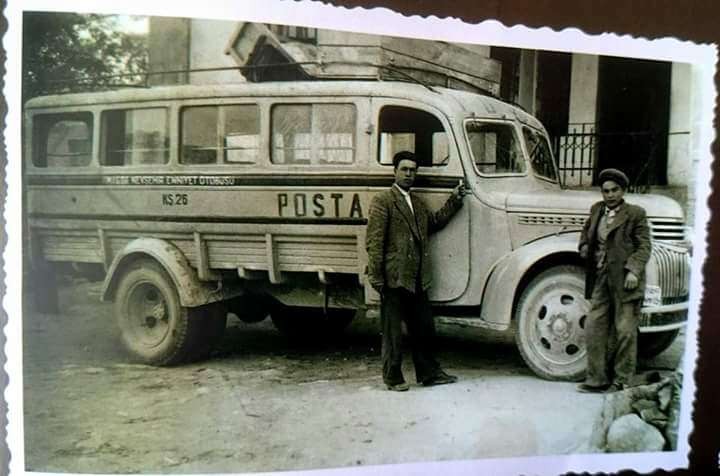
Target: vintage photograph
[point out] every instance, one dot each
(261, 246)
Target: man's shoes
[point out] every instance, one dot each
(398, 387)
(615, 387)
(587, 388)
(441, 378)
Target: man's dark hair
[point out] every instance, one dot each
(404, 155)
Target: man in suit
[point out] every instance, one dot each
(616, 244)
(399, 269)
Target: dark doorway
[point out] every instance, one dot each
(633, 119)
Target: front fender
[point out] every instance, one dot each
(191, 291)
(506, 275)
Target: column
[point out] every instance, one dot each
(578, 150)
(528, 80)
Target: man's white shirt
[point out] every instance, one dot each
(405, 195)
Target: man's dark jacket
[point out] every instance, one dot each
(627, 249)
(397, 241)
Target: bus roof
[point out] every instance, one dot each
(466, 103)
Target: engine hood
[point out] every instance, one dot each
(579, 202)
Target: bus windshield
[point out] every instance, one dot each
(495, 147)
(539, 153)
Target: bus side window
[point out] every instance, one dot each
(230, 132)
(404, 128)
(135, 137)
(241, 133)
(62, 140)
(313, 134)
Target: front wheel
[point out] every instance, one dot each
(550, 323)
(154, 327)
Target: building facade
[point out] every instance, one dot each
(633, 114)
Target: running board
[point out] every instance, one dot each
(466, 322)
(475, 322)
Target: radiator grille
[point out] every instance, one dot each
(661, 229)
(554, 220)
(673, 270)
(664, 229)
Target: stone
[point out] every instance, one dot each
(664, 397)
(655, 417)
(671, 430)
(630, 434)
(617, 404)
(642, 405)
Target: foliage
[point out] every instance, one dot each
(64, 51)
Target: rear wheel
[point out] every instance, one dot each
(550, 323)
(45, 287)
(154, 326)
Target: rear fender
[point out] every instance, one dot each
(507, 275)
(191, 290)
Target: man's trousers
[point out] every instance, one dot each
(414, 309)
(611, 336)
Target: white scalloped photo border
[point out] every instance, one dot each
(382, 21)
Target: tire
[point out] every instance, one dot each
(45, 277)
(550, 323)
(311, 323)
(651, 344)
(154, 327)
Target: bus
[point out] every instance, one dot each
(194, 201)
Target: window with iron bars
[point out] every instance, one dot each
(638, 154)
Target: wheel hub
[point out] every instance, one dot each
(156, 313)
(560, 326)
(151, 321)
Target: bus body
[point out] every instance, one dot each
(253, 198)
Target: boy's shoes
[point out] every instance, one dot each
(587, 388)
(398, 387)
(441, 378)
(615, 387)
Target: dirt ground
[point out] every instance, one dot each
(265, 403)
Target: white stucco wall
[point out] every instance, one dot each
(680, 162)
(208, 40)
(695, 81)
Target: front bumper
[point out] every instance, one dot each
(664, 317)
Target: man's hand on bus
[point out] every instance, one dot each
(584, 251)
(631, 281)
(459, 191)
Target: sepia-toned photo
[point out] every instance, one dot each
(253, 245)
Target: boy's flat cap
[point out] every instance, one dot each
(615, 175)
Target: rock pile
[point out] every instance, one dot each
(640, 418)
